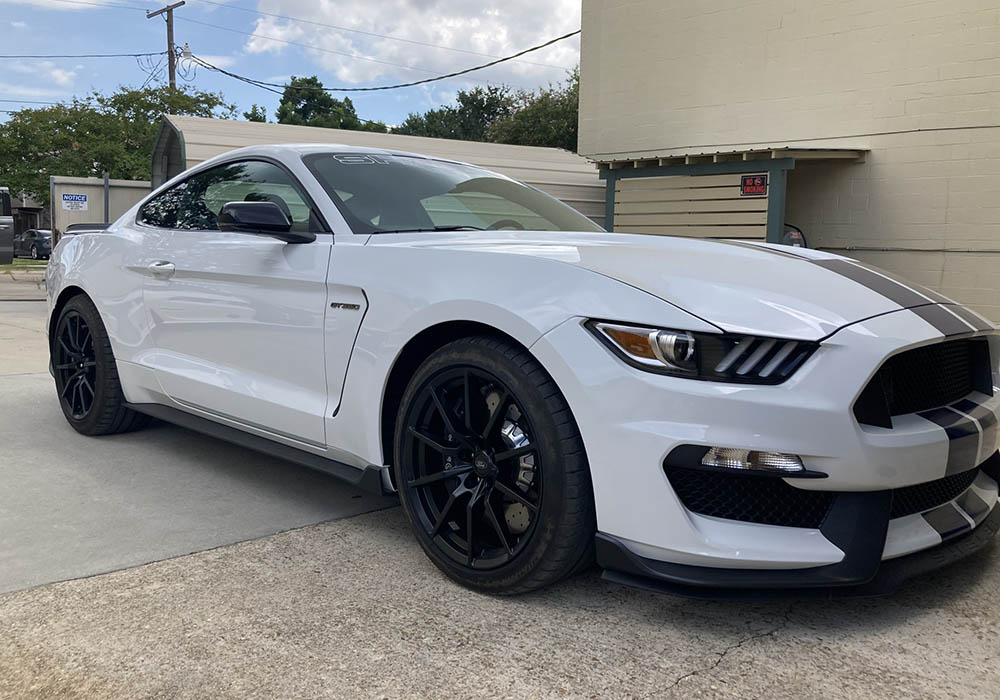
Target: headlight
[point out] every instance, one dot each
(714, 356)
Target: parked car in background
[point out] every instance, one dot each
(33, 243)
(692, 414)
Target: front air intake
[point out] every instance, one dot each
(924, 378)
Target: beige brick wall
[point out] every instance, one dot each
(916, 82)
(926, 206)
(661, 75)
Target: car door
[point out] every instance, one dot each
(26, 240)
(17, 244)
(237, 320)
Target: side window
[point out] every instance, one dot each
(195, 204)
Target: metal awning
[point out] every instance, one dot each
(700, 156)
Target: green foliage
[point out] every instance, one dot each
(547, 117)
(475, 112)
(305, 103)
(256, 113)
(85, 137)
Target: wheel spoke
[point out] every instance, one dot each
(445, 415)
(441, 475)
(492, 517)
(491, 423)
(68, 365)
(70, 381)
(443, 515)
(511, 454)
(468, 523)
(468, 402)
(431, 442)
(511, 493)
(65, 347)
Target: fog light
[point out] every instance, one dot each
(733, 458)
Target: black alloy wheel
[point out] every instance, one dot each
(75, 363)
(498, 501)
(87, 382)
(476, 468)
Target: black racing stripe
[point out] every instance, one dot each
(890, 289)
(981, 324)
(760, 248)
(988, 424)
(929, 293)
(947, 521)
(945, 322)
(963, 438)
(975, 507)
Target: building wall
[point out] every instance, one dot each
(916, 83)
(123, 195)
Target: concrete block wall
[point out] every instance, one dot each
(924, 205)
(664, 75)
(916, 83)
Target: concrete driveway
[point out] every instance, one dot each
(351, 608)
(73, 506)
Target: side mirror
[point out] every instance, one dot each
(262, 219)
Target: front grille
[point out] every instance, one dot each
(922, 497)
(924, 378)
(751, 499)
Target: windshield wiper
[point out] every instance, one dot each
(463, 227)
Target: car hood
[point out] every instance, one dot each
(739, 287)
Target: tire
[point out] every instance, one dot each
(87, 383)
(514, 460)
(34, 252)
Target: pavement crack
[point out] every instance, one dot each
(721, 655)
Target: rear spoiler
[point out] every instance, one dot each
(74, 229)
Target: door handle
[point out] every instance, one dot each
(161, 269)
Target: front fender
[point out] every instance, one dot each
(410, 290)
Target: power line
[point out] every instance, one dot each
(366, 33)
(87, 55)
(262, 83)
(29, 102)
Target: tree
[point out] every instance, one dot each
(469, 120)
(85, 137)
(256, 113)
(306, 103)
(548, 117)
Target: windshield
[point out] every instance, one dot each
(5, 202)
(379, 193)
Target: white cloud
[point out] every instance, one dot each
(55, 4)
(499, 30)
(44, 70)
(61, 76)
(30, 92)
(218, 61)
(19, 25)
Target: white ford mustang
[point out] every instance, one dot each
(699, 416)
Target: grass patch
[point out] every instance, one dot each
(22, 264)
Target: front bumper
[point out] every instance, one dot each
(858, 523)
(631, 420)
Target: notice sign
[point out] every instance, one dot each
(74, 202)
(752, 186)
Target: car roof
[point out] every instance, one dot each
(276, 150)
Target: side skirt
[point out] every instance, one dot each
(368, 479)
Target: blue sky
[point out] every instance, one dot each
(392, 41)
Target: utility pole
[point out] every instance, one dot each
(171, 55)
